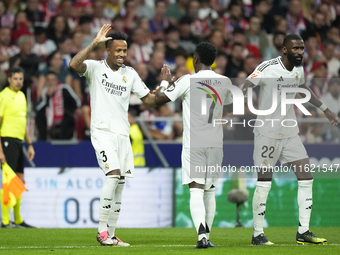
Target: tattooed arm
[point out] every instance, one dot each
(77, 63)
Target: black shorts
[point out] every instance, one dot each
(14, 154)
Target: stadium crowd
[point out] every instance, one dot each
(42, 37)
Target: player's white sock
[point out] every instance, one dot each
(197, 211)
(210, 209)
(115, 210)
(259, 205)
(106, 198)
(305, 202)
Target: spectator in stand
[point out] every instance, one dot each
(50, 8)
(221, 62)
(159, 22)
(15, 6)
(199, 27)
(255, 36)
(187, 40)
(280, 25)
(261, 10)
(218, 24)
(55, 110)
(6, 52)
(235, 60)
(217, 39)
(297, 23)
(172, 44)
(163, 130)
(235, 19)
(112, 8)
(21, 27)
(117, 24)
(332, 62)
(332, 97)
(220, 6)
(130, 16)
(143, 9)
(319, 79)
(333, 34)
(327, 12)
(34, 15)
(275, 49)
(42, 46)
(319, 27)
(177, 10)
(98, 19)
(67, 11)
(6, 18)
(57, 28)
(312, 50)
(248, 49)
(54, 64)
(250, 63)
(28, 61)
(154, 69)
(84, 26)
(77, 42)
(65, 47)
(142, 44)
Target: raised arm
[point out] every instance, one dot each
(77, 63)
(157, 97)
(331, 116)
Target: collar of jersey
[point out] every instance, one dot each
(110, 67)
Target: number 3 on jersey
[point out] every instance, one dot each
(104, 156)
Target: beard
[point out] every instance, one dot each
(294, 61)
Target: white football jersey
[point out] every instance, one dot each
(110, 93)
(272, 75)
(199, 130)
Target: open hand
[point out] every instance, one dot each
(166, 74)
(101, 36)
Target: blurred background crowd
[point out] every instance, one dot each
(42, 36)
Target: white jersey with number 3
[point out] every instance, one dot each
(199, 130)
(110, 93)
(272, 75)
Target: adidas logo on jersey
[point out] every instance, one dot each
(128, 172)
(104, 74)
(262, 213)
(280, 79)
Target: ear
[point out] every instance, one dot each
(284, 50)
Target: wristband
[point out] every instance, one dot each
(29, 144)
(323, 107)
(164, 84)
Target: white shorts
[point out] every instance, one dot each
(113, 152)
(197, 161)
(267, 151)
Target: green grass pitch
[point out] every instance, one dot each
(162, 241)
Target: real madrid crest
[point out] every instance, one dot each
(124, 79)
(296, 76)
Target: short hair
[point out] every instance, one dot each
(239, 31)
(15, 69)
(64, 38)
(84, 19)
(115, 36)
(23, 38)
(236, 44)
(170, 29)
(290, 38)
(51, 72)
(39, 30)
(206, 52)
